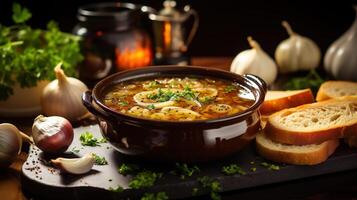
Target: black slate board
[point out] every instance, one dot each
(42, 180)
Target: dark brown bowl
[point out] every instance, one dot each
(185, 141)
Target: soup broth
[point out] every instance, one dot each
(179, 98)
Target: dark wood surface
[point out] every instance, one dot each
(41, 180)
(339, 185)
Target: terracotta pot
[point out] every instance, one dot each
(184, 141)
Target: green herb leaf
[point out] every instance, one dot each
(213, 185)
(270, 166)
(87, 139)
(20, 15)
(128, 168)
(75, 150)
(144, 179)
(151, 107)
(118, 189)
(184, 170)
(28, 55)
(312, 80)
(98, 160)
(157, 196)
(194, 191)
(232, 169)
(123, 103)
(230, 88)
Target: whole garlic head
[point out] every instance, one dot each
(297, 52)
(255, 61)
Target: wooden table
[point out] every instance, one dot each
(334, 186)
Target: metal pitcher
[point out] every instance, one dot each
(170, 37)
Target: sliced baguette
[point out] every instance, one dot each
(333, 89)
(278, 100)
(292, 154)
(314, 123)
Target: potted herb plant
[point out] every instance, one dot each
(27, 59)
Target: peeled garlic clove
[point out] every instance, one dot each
(75, 165)
(297, 52)
(62, 97)
(255, 61)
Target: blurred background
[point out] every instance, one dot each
(224, 24)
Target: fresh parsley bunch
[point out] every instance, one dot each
(29, 55)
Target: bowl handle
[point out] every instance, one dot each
(257, 80)
(87, 101)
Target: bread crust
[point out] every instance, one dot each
(302, 138)
(318, 155)
(322, 94)
(301, 97)
(285, 136)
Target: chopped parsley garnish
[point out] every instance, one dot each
(144, 179)
(98, 160)
(213, 185)
(232, 169)
(123, 103)
(166, 95)
(184, 170)
(118, 189)
(194, 191)
(207, 100)
(152, 84)
(151, 107)
(128, 168)
(270, 166)
(157, 196)
(230, 88)
(28, 54)
(87, 139)
(75, 150)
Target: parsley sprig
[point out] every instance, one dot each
(99, 160)
(183, 170)
(87, 139)
(28, 55)
(233, 169)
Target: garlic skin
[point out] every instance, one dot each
(296, 53)
(75, 165)
(255, 61)
(340, 59)
(10, 143)
(62, 97)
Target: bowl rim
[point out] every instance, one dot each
(240, 115)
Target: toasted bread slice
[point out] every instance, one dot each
(278, 100)
(314, 123)
(334, 89)
(293, 154)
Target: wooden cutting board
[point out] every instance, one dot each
(40, 179)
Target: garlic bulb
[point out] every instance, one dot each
(340, 59)
(296, 53)
(10, 143)
(62, 97)
(255, 61)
